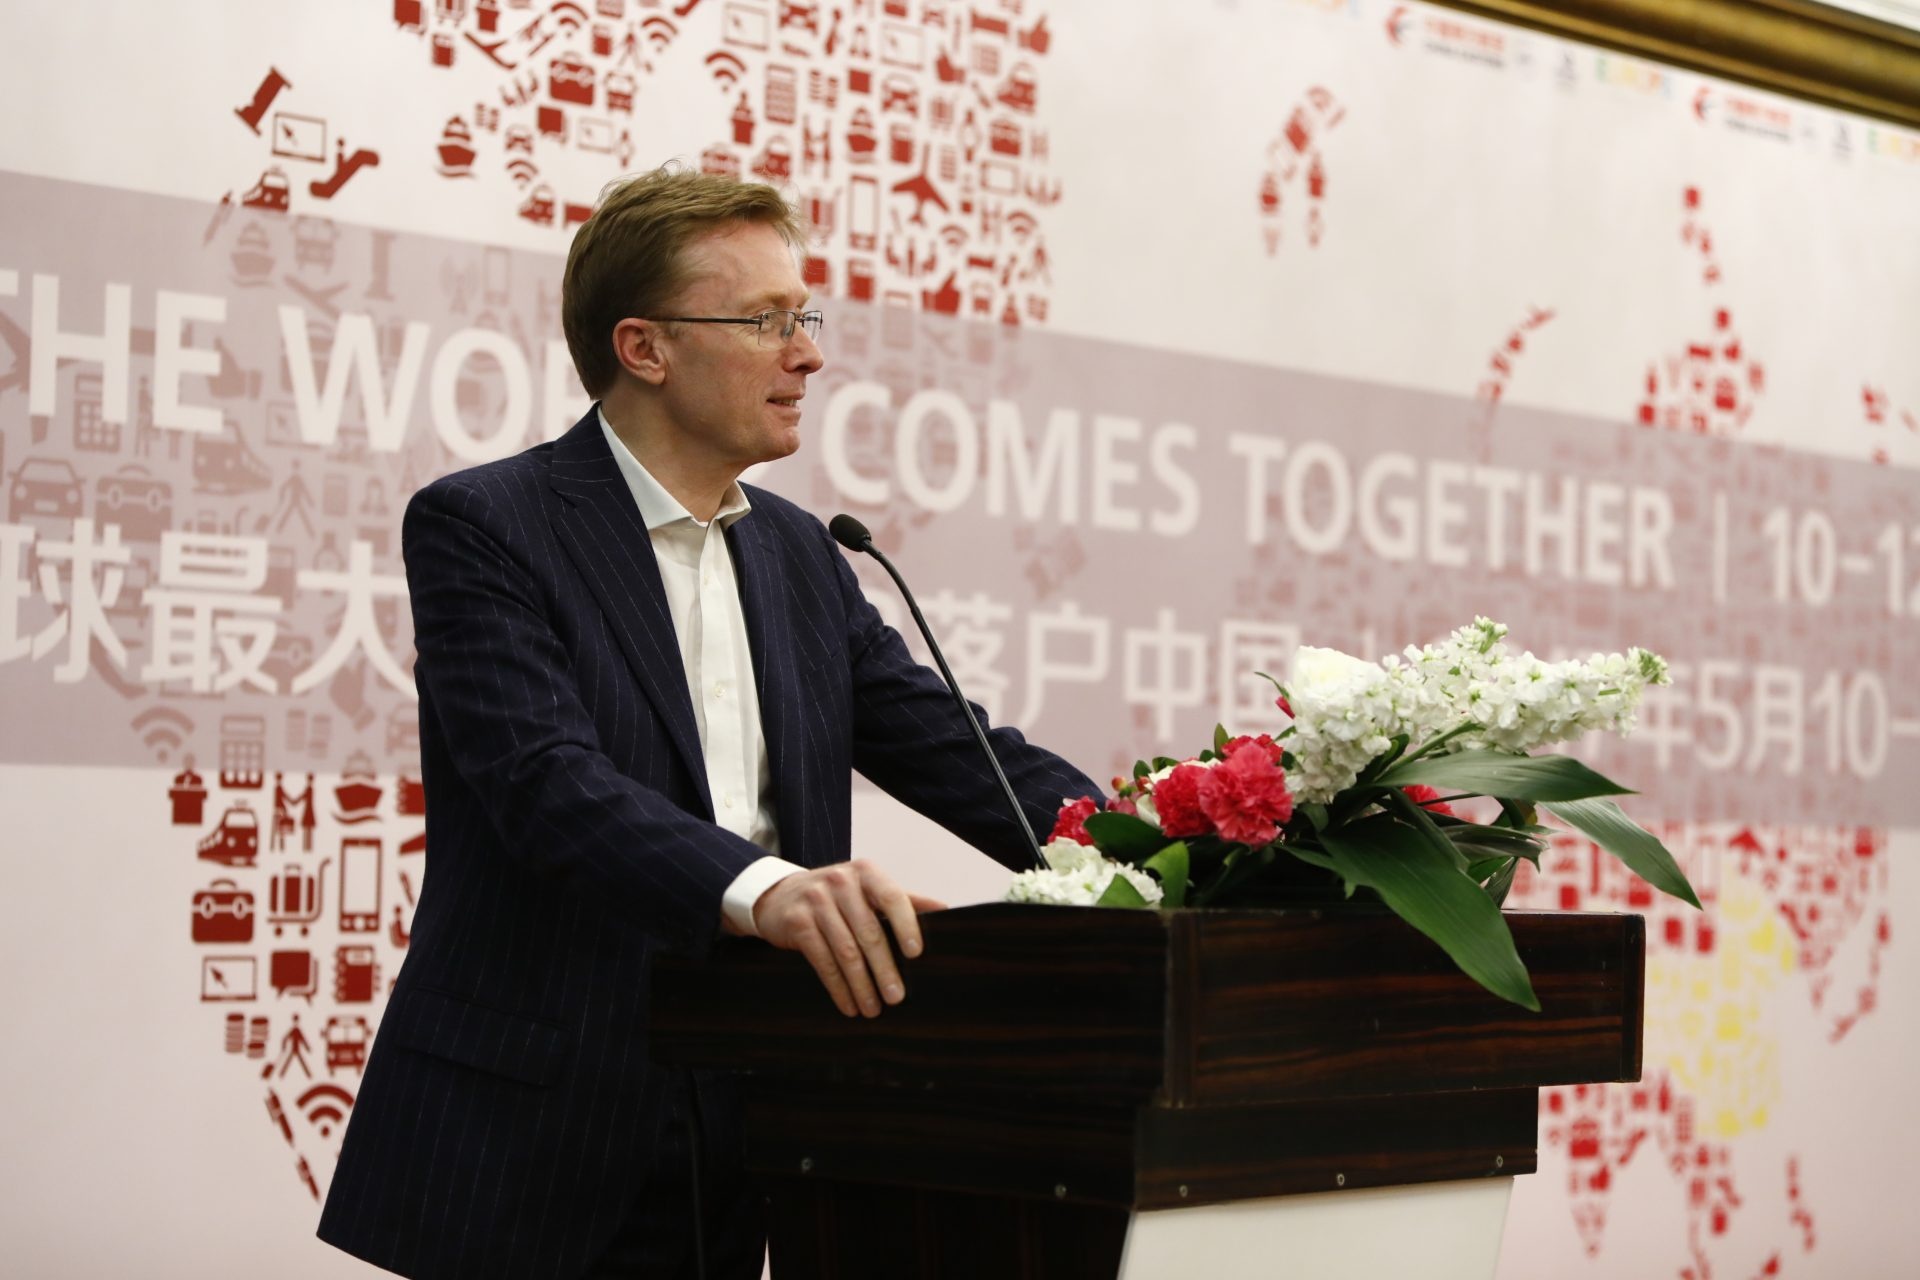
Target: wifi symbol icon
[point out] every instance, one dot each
(324, 1106)
(523, 170)
(660, 31)
(725, 67)
(162, 730)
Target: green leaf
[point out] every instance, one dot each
(1170, 864)
(1120, 893)
(1415, 874)
(1141, 768)
(1125, 837)
(1311, 856)
(1240, 865)
(1396, 747)
(1476, 840)
(1485, 867)
(1628, 841)
(1495, 773)
(1502, 883)
(1204, 894)
(1517, 814)
(1220, 737)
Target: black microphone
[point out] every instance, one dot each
(853, 535)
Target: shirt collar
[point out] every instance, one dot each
(658, 508)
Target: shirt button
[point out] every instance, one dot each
(720, 688)
(728, 802)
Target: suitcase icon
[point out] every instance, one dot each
(294, 897)
(223, 912)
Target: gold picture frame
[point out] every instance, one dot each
(1816, 52)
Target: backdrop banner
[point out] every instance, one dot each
(1156, 345)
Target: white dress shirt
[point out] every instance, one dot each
(703, 597)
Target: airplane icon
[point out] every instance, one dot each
(921, 188)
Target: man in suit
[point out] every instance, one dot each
(640, 681)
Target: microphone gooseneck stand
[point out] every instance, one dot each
(853, 535)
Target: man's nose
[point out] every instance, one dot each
(803, 353)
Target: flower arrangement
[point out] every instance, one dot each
(1357, 795)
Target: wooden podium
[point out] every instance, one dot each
(1079, 1092)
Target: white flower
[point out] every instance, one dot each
(1077, 879)
(1063, 854)
(1346, 710)
(1327, 676)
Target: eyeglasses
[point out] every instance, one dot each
(774, 328)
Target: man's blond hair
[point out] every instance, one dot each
(630, 257)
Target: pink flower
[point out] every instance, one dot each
(1429, 799)
(1286, 708)
(1246, 797)
(1072, 822)
(1265, 740)
(1176, 798)
(1123, 804)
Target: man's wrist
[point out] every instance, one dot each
(737, 904)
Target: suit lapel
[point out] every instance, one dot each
(600, 527)
(770, 636)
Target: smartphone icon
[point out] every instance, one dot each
(359, 884)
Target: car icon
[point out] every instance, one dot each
(44, 487)
(133, 499)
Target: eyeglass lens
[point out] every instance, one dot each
(777, 327)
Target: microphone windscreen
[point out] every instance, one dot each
(849, 532)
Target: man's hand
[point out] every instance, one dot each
(829, 915)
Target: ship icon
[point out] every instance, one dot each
(456, 150)
(252, 256)
(357, 798)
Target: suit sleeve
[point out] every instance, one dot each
(911, 741)
(495, 679)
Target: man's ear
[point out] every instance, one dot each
(636, 343)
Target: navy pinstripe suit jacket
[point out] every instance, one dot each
(503, 1125)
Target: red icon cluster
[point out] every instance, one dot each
(1710, 386)
(1503, 359)
(1881, 412)
(294, 140)
(1827, 885)
(320, 930)
(1296, 170)
(908, 130)
(1603, 1128)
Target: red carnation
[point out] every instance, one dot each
(1176, 798)
(1072, 822)
(1265, 740)
(1246, 796)
(1286, 708)
(1429, 799)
